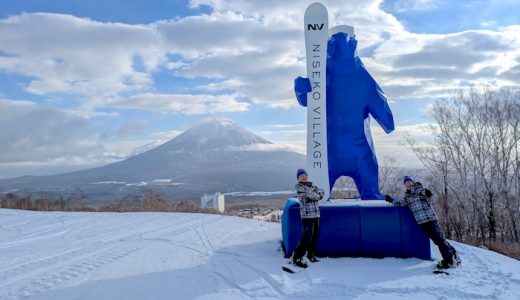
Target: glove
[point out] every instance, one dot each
(321, 193)
(388, 199)
(428, 193)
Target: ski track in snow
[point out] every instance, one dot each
(60, 255)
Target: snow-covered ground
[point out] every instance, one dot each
(63, 255)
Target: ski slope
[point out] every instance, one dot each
(64, 255)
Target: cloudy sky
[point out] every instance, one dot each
(85, 83)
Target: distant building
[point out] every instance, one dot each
(215, 201)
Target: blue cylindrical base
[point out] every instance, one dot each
(359, 229)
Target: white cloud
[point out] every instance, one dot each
(262, 147)
(127, 130)
(240, 42)
(394, 144)
(299, 125)
(415, 5)
(185, 103)
(488, 23)
(285, 132)
(42, 133)
(44, 140)
(250, 48)
(67, 54)
(224, 85)
(405, 64)
(137, 143)
(165, 135)
(421, 65)
(290, 137)
(221, 33)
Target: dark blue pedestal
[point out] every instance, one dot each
(367, 228)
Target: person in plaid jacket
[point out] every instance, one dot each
(308, 195)
(420, 201)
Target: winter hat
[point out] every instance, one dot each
(300, 172)
(408, 178)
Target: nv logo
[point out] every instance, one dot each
(315, 26)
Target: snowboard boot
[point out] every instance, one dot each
(299, 263)
(444, 264)
(455, 258)
(313, 259)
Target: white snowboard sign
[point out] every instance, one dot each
(316, 35)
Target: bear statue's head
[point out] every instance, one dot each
(341, 46)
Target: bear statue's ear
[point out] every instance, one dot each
(342, 28)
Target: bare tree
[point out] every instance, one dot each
(152, 201)
(77, 201)
(474, 163)
(390, 175)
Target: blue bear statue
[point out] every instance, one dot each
(352, 94)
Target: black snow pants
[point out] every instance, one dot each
(307, 243)
(433, 230)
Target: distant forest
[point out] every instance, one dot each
(148, 200)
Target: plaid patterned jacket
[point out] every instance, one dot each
(420, 205)
(309, 195)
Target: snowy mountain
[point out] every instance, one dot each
(213, 155)
(64, 255)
